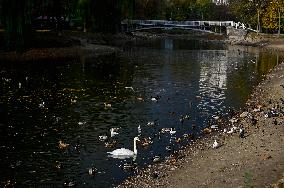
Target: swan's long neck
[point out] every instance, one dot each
(134, 144)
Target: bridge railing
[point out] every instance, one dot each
(185, 23)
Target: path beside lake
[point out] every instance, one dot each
(254, 161)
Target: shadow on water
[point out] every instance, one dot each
(42, 103)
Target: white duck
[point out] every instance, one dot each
(231, 131)
(139, 129)
(215, 144)
(172, 131)
(113, 132)
(154, 99)
(151, 123)
(103, 137)
(41, 105)
(125, 153)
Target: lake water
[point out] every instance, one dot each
(42, 103)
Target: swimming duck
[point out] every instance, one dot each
(69, 183)
(172, 131)
(215, 117)
(187, 136)
(103, 137)
(169, 148)
(154, 99)
(140, 99)
(207, 130)
(107, 105)
(110, 144)
(139, 129)
(62, 145)
(178, 140)
(41, 105)
(113, 132)
(92, 171)
(129, 166)
(164, 130)
(234, 120)
(58, 165)
(150, 123)
(156, 158)
(184, 117)
(131, 88)
(146, 142)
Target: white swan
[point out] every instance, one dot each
(123, 153)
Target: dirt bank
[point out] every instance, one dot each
(265, 41)
(48, 45)
(71, 45)
(66, 53)
(254, 161)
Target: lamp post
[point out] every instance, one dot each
(258, 24)
(279, 20)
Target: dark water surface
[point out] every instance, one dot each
(42, 103)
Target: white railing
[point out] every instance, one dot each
(180, 23)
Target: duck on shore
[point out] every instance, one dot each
(242, 133)
(215, 144)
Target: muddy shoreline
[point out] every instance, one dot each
(48, 46)
(72, 45)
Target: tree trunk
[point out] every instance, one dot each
(17, 24)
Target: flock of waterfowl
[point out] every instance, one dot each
(109, 140)
(123, 153)
(229, 127)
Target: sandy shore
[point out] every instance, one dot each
(254, 161)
